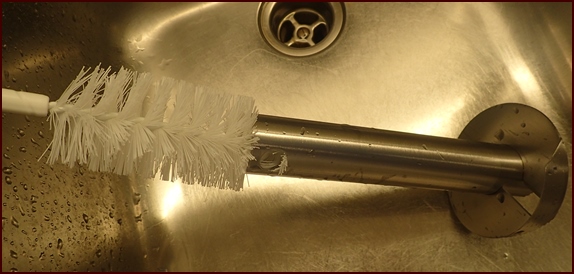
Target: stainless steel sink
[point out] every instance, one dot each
(425, 68)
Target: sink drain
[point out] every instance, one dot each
(300, 29)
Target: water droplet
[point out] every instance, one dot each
(21, 132)
(137, 198)
(138, 218)
(13, 254)
(15, 188)
(500, 197)
(302, 132)
(14, 222)
(69, 218)
(8, 180)
(33, 141)
(7, 170)
(33, 209)
(13, 269)
(60, 244)
(55, 202)
(6, 156)
(46, 218)
(34, 229)
(99, 253)
(24, 232)
(111, 215)
(21, 210)
(88, 227)
(41, 134)
(22, 149)
(25, 186)
(85, 217)
(34, 199)
(317, 133)
(500, 135)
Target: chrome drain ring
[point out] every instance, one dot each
(300, 29)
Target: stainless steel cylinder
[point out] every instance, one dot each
(338, 152)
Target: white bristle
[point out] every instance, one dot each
(185, 132)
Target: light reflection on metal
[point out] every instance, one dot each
(510, 54)
(525, 80)
(153, 32)
(172, 197)
(436, 123)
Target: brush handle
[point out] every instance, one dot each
(22, 102)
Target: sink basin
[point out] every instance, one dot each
(424, 68)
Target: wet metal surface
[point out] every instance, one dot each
(425, 68)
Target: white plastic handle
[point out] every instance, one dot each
(22, 102)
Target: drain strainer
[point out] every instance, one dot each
(300, 29)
